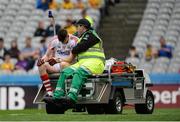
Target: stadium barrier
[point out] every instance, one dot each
(166, 90)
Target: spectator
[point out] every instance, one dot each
(50, 29)
(133, 53)
(7, 64)
(67, 4)
(71, 29)
(28, 50)
(14, 51)
(165, 50)
(43, 47)
(3, 50)
(79, 4)
(96, 4)
(150, 53)
(85, 16)
(21, 64)
(28, 53)
(40, 31)
(53, 5)
(36, 57)
(36, 54)
(42, 4)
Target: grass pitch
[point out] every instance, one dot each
(127, 115)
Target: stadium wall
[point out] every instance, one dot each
(18, 92)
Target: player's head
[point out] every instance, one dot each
(63, 35)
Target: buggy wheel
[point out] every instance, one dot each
(115, 106)
(148, 107)
(52, 109)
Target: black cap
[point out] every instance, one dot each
(84, 22)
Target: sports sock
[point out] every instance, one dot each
(47, 84)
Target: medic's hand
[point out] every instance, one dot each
(40, 62)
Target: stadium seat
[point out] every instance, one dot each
(2, 7)
(162, 60)
(4, 2)
(147, 66)
(2, 34)
(159, 68)
(5, 72)
(32, 72)
(1, 61)
(14, 60)
(134, 61)
(19, 72)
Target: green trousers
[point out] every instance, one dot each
(79, 77)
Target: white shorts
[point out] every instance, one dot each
(56, 68)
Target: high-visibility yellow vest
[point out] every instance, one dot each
(96, 51)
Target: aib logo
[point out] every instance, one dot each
(12, 98)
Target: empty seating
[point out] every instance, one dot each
(161, 18)
(134, 61)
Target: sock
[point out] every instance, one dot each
(47, 84)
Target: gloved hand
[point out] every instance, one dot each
(40, 62)
(52, 61)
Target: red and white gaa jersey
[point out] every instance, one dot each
(62, 50)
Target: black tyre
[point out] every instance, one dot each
(148, 107)
(115, 106)
(52, 109)
(95, 109)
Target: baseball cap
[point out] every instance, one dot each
(84, 22)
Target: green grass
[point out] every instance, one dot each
(128, 115)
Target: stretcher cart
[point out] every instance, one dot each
(108, 93)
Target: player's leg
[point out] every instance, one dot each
(44, 69)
